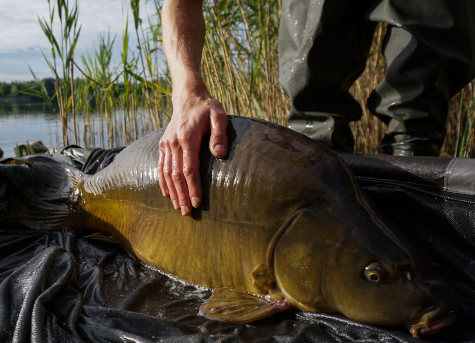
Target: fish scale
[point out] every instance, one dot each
(282, 224)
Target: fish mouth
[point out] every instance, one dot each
(432, 321)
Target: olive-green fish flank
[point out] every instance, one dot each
(282, 224)
(247, 198)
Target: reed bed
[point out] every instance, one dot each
(239, 65)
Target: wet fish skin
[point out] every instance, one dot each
(282, 219)
(281, 204)
(240, 204)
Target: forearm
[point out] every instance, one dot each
(183, 39)
(195, 112)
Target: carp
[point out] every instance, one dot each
(282, 225)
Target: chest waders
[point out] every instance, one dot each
(429, 50)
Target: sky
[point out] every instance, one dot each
(22, 40)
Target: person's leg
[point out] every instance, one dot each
(429, 51)
(323, 47)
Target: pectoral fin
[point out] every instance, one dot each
(231, 306)
(262, 279)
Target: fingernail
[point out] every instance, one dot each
(219, 149)
(194, 202)
(184, 210)
(176, 205)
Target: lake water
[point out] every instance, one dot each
(32, 123)
(28, 123)
(19, 128)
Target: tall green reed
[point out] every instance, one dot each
(239, 65)
(465, 123)
(240, 57)
(150, 57)
(122, 93)
(63, 44)
(103, 77)
(40, 91)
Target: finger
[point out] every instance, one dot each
(191, 170)
(161, 177)
(218, 143)
(167, 171)
(179, 180)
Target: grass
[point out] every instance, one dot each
(239, 64)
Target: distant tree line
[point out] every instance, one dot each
(23, 91)
(89, 94)
(43, 91)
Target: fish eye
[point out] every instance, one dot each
(374, 272)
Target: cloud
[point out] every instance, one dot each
(14, 65)
(20, 28)
(22, 36)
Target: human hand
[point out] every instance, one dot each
(194, 115)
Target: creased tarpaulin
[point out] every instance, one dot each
(63, 286)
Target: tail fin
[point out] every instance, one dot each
(38, 193)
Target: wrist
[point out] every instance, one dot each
(191, 87)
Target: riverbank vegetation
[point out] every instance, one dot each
(25, 92)
(239, 65)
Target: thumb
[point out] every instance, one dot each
(218, 143)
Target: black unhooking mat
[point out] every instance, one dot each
(67, 287)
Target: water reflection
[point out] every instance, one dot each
(19, 128)
(7, 108)
(25, 122)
